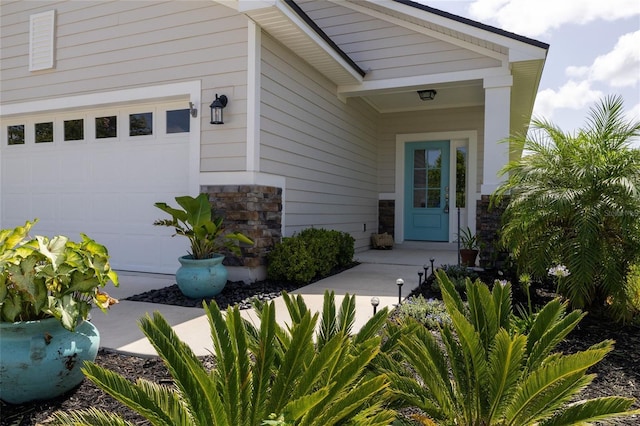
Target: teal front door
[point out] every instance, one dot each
(426, 206)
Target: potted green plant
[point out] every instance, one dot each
(201, 273)
(469, 247)
(47, 289)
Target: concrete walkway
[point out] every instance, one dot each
(375, 276)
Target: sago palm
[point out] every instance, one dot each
(261, 373)
(574, 199)
(484, 373)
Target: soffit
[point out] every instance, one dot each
(289, 29)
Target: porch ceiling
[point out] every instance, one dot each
(449, 95)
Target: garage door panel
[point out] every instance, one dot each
(103, 188)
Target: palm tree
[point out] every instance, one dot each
(482, 371)
(266, 375)
(574, 200)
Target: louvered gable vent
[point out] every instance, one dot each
(41, 38)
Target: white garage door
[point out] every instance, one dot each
(99, 172)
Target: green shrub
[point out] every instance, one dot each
(429, 312)
(626, 307)
(458, 275)
(291, 261)
(346, 248)
(574, 200)
(483, 372)
(313, 253)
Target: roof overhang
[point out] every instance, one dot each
(286, 22)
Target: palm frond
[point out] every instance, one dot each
(132, 395)
(89, 417)
(592, 410)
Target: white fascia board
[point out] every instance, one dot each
(423, 30)
(393, 84)
(518, 50)
(293, 17)
(246, 5)
(167, 91)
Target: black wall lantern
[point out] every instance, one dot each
(216, 109)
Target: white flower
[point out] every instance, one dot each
(559, 271)
(503, 283)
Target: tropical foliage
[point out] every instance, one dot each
(273, 374)
(196, 221)
(43, 277)
(574, 199)
(483, 372)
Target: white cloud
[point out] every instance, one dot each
(572, 95)
(621, 66)
(577, 72)
(633, 113)
(618, 68)
(533, 18)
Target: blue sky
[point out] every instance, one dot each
(595, 50)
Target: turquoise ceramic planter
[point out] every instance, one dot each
(42, 359)
(199, 278)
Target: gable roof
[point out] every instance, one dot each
(473, 23)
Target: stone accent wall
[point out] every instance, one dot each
(254, 210)
(488, 224)
(386, 216)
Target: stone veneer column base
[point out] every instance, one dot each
(488, 225)
(256, 211)
(386, 217)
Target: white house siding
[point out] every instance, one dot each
(325, 148)
(389, 50)
(427, 121)
(105, 46)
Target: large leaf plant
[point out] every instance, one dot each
(42, 277)
(205, 232)
(269, 374)
(482, 371)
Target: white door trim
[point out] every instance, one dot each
(456, 138)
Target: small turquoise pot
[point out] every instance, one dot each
(42, 359)
(200, 278)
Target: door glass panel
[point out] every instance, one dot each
(435, 158)
(427, 178)
(44, 132)
(74, 130)
(141, 124)
(433, 197)
(178, 121)
(15, 134)
(106, 127)
(461, 176)
(419, 178)
(419, 159)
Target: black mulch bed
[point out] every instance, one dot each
(234, 293)
(618, 373)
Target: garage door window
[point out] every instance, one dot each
(141, 124)
(178, 121)
(74, 130)
(44, 132)
(106, 127)
(15, 134)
